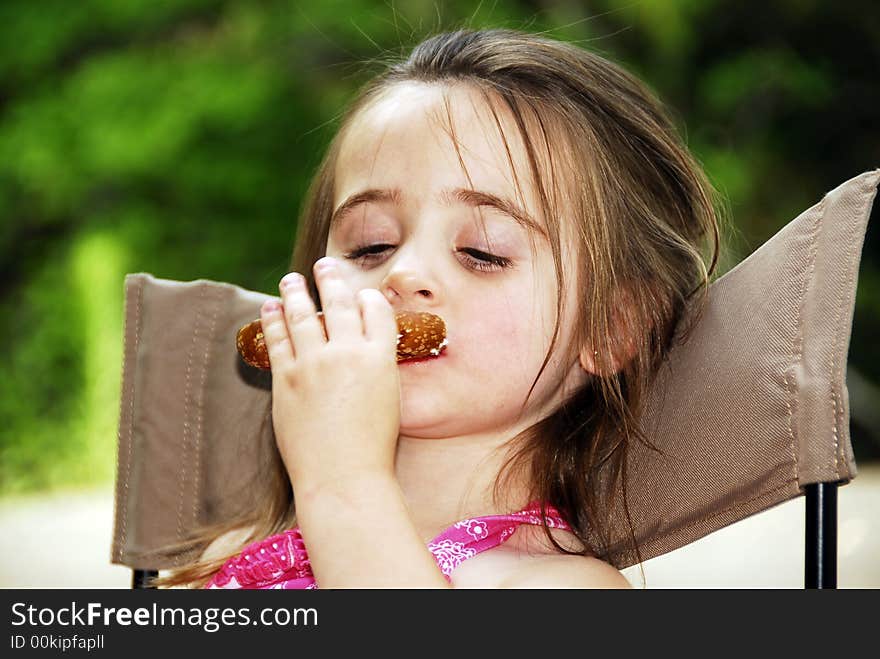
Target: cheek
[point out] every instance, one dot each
(504, 335)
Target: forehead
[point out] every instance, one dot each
(421, 137)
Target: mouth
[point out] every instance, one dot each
(419, 360)
(430, 358)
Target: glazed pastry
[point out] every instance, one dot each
(420, 334)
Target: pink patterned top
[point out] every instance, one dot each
(281, 561)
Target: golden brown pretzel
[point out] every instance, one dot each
(420, 334)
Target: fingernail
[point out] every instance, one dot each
(326, 263)
(292, 279)
(271, 305)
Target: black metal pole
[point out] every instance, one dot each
(140, 579)
(820, 562)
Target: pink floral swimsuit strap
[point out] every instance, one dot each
(281, 561)
(469, 537)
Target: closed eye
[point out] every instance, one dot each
(475, 259)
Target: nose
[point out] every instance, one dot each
(409, 281)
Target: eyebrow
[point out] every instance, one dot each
(447, 197)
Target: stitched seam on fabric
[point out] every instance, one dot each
(835, 362)
(130, 394)
(834, 366)
(201, 408)
(187, 392)
(797, 346)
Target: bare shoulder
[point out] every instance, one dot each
(528, 560)
(564, 571)
(226, 544)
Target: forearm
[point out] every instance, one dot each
(359, 535)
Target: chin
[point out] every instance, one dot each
(423, 411)
(415, 420)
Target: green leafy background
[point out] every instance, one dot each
(177, 138)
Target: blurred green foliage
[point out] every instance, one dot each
(178, 138)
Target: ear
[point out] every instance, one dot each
(621, 354)
(588, 359)
(623, 346)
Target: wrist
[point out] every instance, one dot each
(360, 534)
(345, 491)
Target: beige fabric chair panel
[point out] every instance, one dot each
(747, 411)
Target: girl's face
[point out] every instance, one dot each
(409, 222)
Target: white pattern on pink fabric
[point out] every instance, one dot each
(476, 528)
(449, 554)
(281, 561)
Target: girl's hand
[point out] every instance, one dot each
(335, 400)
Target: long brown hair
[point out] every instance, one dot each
(645, 222)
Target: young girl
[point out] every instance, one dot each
(537, 198)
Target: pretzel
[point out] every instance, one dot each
(420, 334)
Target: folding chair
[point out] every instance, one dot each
(750, 411)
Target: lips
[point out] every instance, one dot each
(422, 360)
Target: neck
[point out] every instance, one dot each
(449, 479)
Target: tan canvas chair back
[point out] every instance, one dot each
(748, 411)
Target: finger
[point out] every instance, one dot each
(275, 335)
(380, 325)
(300, 315)
(342, 317)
